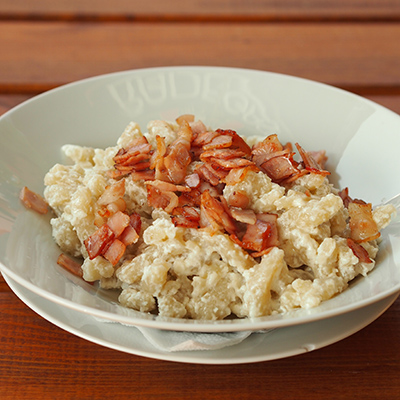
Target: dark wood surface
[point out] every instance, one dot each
(350, 44)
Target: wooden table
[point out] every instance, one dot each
(351, 44)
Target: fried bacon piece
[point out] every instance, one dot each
(186, 217)
(344, 195)
(214, 215)
(358, 251)
(167, 200)
(111, 238)
(178, 155)
(363, 228)
(33, 201)
(99, 241)
(237, 175)
(135, 157)
(70, 265)
(280, 168)
(309, 162)
(237, 141)
(268, 148)
(239, 199)
(114, 251)
(260, 236)
(275, 160)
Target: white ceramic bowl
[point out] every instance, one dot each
(362, 140)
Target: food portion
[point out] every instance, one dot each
(191, 222)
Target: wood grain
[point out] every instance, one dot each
(268, 10)
(39, 56)
(34, 364)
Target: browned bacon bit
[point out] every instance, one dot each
(186, 217)
(158, 155)
(320, 157)
(114, 251)
(270, 144)
(344, 195)
(219, 142)
(129, 236)
(256, 235)
(237, 175)
(246, 216)
(262, 235)
(203, 138)
(280, 168)
(97, 242)
(146, 175)
(118, 222)
(232, 163)
(221, 154)
(208, 174)
(273, 238)
(191, 198)
(261, 253)
(162, 199)
(178, 154)
(167, 186)
(33, 201)
(197, 127)
(111, 239)
(70, 265)
(238, 199)
(192, 180)
(359, 251)
(237, 141)
(214, 215)
(189, 118)
(363, 228)
(112, 193)
(310, 164)
(131, 233)
(126, 159)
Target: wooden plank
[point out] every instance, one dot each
(40, 360)
(37, 56)
(201, 9)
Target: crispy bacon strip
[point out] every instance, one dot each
(237, 175)
(186, 217)
(98, 241)
(213, 213)
(237, 141)
(280, 168)
(238, 199)
(178, 154)
(167, 187)
(310, 164)
(114, 251)
(359, 251)
(118, 222)
(167, 200)
(344, 195)
(70, 265)
(219, 142)
(363, 228)
(33, 201)
(192, 180)
(247, 216)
